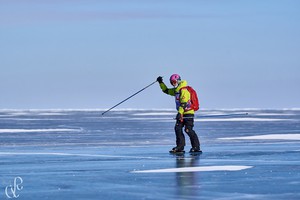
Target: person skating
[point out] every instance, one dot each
(185, 115)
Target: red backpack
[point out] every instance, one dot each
(194, 98)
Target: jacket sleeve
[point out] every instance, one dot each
(184, 98)
(165, 89)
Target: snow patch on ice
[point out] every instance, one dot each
(161, 119)
(266, 137)
(155, 113)
(252, 119)
(37, 130)
(51, 114)
(197, 169)
(273, 114)
(36, 119)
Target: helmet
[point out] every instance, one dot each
(175, 79)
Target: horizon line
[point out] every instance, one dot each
(138, 109)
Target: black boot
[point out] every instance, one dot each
(195, 150)
(177, 150)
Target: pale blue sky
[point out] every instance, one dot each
(95, 53)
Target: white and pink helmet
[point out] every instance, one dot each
(175, 79)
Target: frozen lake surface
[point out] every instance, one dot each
(78, 154)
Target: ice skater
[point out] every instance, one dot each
(185, 115)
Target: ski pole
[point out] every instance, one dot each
(128, 98)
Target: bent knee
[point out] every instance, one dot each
(187, 130)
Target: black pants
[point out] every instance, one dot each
(188, 124)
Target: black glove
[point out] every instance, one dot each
(179, 117)
(159, 79)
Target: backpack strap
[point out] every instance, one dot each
(184, 105)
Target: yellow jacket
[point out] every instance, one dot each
(182, 97)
